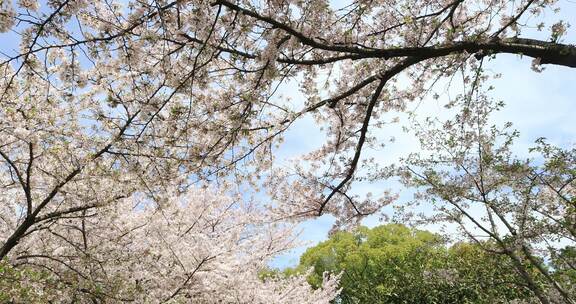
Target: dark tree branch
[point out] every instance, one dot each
(384, 77)
(30, 219)
(548, 52)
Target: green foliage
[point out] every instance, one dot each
(395, 264)
(484, 277)
(24, 285)
(34, 283)
(564, 264)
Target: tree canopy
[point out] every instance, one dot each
(395, 264)
(136, 138)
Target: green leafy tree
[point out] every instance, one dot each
(395, 264)
(564, 265)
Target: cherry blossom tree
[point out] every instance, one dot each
(519, 208)
(202, 247)
(109, 104)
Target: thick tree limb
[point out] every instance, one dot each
(548, 52)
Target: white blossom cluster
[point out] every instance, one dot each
(106, 105)
(201, 247)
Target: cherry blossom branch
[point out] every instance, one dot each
(30, 219)
(188, 278)
(384, 77)
(548, 52)
(513, 20)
